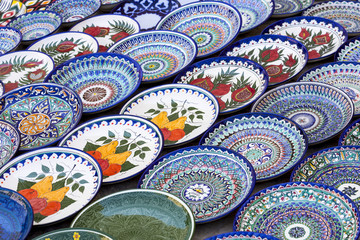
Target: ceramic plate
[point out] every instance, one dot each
(286, 8)
(10, 39)
(346, 13)
(16, 215)
(337, 167)
(242, 236)
(17, 8)
(320, 109)
(62, 47)
(343, 75)
(351, 134)
(273, 144)
(146, 13)
(281, 56)
(235, 82)
(43, 113)
(9, 141)
(74, 233)
(22, 68)
(349, 51)
(212, 181)
(299, 210)
(102, 80)
(123, 145)
(161, 54)
(139, 214)
(58, 182)
(107, 29)
(181, 111)
(212, 25)
(321, 37)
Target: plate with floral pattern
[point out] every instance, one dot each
(242, 236)
(62, 47)
(343, 75)
(235, 82)
(320, 109)
(300, 210)
(181, 111)
(56, 181)
(212, 181)
(74, 233)
(286, 8)
(349, 51)
(271, 143)
(322, 37)
(9, 141)
(107, 29)
(351, 135)
(43, 113)
(123, 145)
(21, 68)
(282, 57)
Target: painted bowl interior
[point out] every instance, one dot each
(212, 25)
(190, 175)
(320, 109)
(71, 233)
(102, 80)
(349, 51)
(10, 38)
(285, 8)
(351, 135)
(9, 142)
(271, 143)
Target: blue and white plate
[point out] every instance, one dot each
(9, 141)
(349, 51)
(10, 39)
(287, 8)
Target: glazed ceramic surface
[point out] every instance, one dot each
(10, 38)
(343, 75)
(123, 145)
(281, 56)
(58, 182)
(102, 80)
(16, 216)
(212, 25)
(346, 13)
(181, 111)
(235, 82)
(43, 113)
(320, 109)
(36, 25)
(212, 181)
(107, 29)
(349, 51)
(146, 13)
(161, 54)
(74, 233)
(36, 5)
(242, 236)
(5, 5)
(16, 9)
(351, 135)
(299, 210)
(322, 37)
(273, 144)
(9, 141)
(148, 214)
(65, 46)
(286, 8)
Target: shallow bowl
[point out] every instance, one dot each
(10, 39)
(9, 141)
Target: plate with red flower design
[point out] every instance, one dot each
(21, 68)
(235, 82)
(107, 29)
(282, 57)
(322, 37)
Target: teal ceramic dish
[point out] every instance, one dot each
(10, 39)
(74, 233)
(9, 141)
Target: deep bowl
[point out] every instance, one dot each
(10, 38)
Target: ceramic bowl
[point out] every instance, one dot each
(351, 135)
(10, 39)
(320, 109)
(74, 233)
(346, 13)
(148, 13)
(16, 215)
(212, 25)
(161, 54)
(146, 213)
(102, 80)
(107, 29)
(21, 68)
(235, 82)
(282, 57)
(287, 8)
(43, 113)
(242, 236)
(189, 174)
(36, 25)
(16, 9)
(9, 141)
(349, 51)
(132, 143)
(58, 182)
(300, 210)
(322, 37)
(343, 75)
(62, 47)
(73, 11)
(273, 144)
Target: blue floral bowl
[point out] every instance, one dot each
(102, 80)
(10, 38)
(9, 141)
